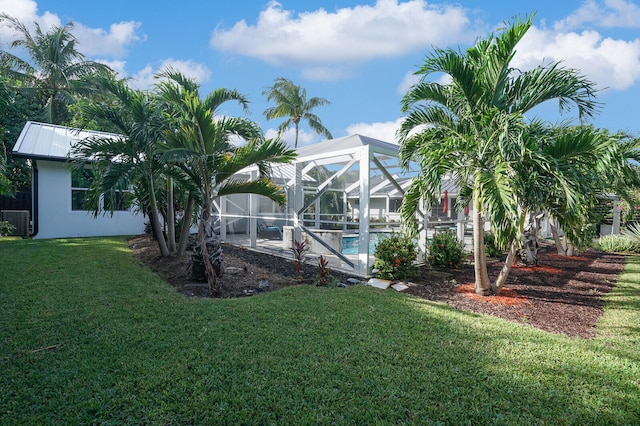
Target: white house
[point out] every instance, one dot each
(58, 193)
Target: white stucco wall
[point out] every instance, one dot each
(57, 220)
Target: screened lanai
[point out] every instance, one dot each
(343, 195)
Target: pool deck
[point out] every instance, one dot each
(276, 248)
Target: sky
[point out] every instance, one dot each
(359, 55)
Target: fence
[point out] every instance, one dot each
(17, 211)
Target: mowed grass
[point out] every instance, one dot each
(89, 335)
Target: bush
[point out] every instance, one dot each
(618, 244)
(6, 228)
(395, 258)
(491, 248)
(446, 251)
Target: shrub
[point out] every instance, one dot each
(491, 248)
(323, 271)
(446, 251)
(618, 244)
(395, 258)
(6, 228)
(299, 250)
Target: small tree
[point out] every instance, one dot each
(200, 144)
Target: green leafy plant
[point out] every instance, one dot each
(323, 271)
(299, 254)
(446, 251)
(6, 228)
(490, 247)
(395, 258)
(632, 231)
(619, 244)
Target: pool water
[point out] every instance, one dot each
(350, 242)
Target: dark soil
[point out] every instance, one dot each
(562, 295)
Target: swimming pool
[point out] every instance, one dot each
(350, 242)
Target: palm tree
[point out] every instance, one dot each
(200, 143)
(5, 98)
(596, 163)
(128, 159)
(474, 130)
(292, 104)
(56, 71)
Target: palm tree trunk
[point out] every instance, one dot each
(48, 110)
(171, 217)
(212, 277)
(479, 256)
(162, 244)
(496, 287)
(560, 245)
(186, 227)
(296, 142)
(530, 243)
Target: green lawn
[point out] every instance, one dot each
(125, 348)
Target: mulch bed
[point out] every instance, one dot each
(562, 295)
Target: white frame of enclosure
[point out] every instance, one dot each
(368, 155)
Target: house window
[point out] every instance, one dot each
(394, 205)
(120, 201)
(80, 181)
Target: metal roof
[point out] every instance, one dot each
(49, 141)
(342, 150)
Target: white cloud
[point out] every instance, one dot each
(410, 78)
(112, 43)
(24, 10)
(94, 42)
(606, 61)
(384, 131)
(117, 66)
(320, 40)
(610, 13)
(145, 78)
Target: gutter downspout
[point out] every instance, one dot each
(34, 197)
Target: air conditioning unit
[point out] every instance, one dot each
(19, 219)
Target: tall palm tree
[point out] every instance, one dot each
(200, 142)
(292, 104)
(474, 130)
(129, 159)
(56, 70)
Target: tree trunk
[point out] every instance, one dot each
(530, 246)
(496, 287)
(207, 235)
(562, 245)
(171, 217)
(155, 222)
(562, 251)
(185, 231)
(479, 257)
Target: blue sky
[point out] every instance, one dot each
(360, 55)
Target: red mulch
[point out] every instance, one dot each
(562, 295)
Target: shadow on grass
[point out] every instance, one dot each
(134, 353)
